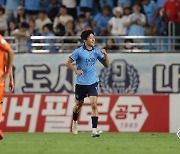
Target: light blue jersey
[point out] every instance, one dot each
(124, 2)
(161, 3)
(85, 3)
(35, 5)
(86, 61)
(101, 21)
(12, 4)
(150, 10)
(2, 2)
(135, 29)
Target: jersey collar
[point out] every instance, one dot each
(84, 47)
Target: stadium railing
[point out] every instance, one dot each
(64, 44)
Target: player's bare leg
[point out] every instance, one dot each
(76, 110)
(94, 116)
(1, 134)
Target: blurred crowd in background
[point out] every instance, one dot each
(25, 18)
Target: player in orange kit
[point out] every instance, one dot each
(6, 62)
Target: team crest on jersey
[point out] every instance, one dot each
(120, 77)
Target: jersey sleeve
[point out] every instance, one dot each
(74, 56)
(100, 55)
(3, 44)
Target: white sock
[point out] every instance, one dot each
(74, 121)
(94, 130)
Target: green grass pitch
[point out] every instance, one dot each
(83, 143)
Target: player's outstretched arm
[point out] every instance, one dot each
(11, 79)
(10, 59)
(105, 60)
(69, 65)
(11, 82)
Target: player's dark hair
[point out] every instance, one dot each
(85, 34)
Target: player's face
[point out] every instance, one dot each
(90, 40)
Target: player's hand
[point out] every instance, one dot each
(103, 51)
(79, 72)
(4, 76)
(11, 86)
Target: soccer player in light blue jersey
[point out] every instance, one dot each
(87, 80)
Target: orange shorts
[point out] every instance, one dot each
(1, 93)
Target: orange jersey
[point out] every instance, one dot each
(3, 47)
